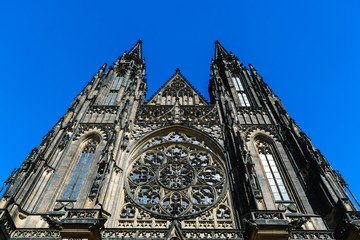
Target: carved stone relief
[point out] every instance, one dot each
(177, 180)
(104, 129)
(176, 176)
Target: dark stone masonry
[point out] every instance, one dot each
(177, 166)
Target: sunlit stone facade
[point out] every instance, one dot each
(176, 166)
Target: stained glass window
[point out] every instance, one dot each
(175, 177)
(111, 98)
(117, 83)
(272, 172)
(77, 178)
(244, 101)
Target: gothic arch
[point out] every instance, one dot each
(81, 143)
(179, 173)
(204, 139)
(103, 131)
(286, 169)
(93, 135)
(255, 131)
(80, 163)
(266, 166)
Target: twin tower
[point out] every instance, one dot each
(116, 166)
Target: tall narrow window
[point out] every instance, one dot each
(111, 98)
(77, 178)
(244, 101)
(272, 172)
(117, 83)
(128, 85)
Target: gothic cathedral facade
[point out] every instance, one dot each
(177, 166)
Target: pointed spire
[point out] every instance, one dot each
(253, 70)
(252, 67)
(136, 51)
(220, 50)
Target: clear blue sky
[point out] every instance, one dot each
(307, 51)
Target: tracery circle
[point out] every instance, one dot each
(176, 175)
(175, 178)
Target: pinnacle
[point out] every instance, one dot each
(136, 51)
(252, 68)
(220, 51)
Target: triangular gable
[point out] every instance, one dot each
(177, 88)
(175, 232)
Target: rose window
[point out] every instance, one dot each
(176, 176)
(176, 179)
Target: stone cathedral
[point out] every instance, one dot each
(177, 166)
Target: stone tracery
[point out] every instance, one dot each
(176, 176)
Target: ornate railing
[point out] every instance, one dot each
(213, 234)
(83, 214)
(353, 216)
(268, 215)
(36, 234)
(97, 114)
(134, 234)
(308, 234)
(83, 217)
(103, 109)
(162, 233)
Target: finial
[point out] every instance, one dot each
(139, 41)
(178, 70)
(217, 42)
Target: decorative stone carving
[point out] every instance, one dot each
(306, 234)
(269, 130)
(176, 177)
(203, 234)
(133, 234)
(104, 129)
(177, 88)
(200, 117)
(36, 234)
(64, 141)
(96, 184)
(274, 215)
(101, 114)
(6, 221)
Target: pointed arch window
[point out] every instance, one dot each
(77, 178)
(272, 172)
(244, 101)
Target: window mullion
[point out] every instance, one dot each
(273, 175)
(81, 176)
